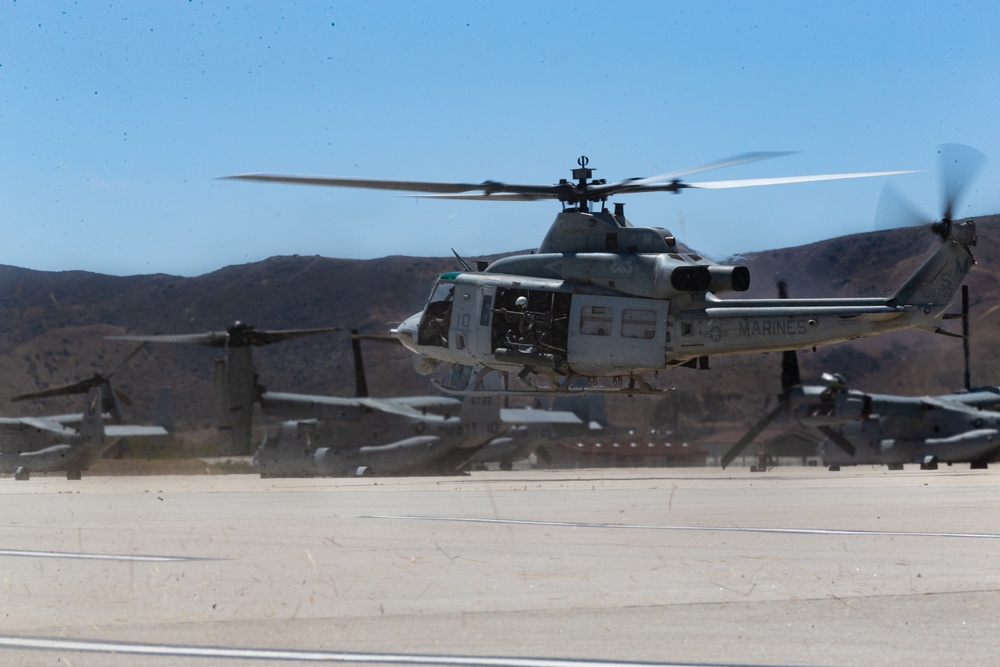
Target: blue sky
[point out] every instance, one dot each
(118, 118)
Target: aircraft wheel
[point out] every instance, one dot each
(73, 475)
(753, 468)
(978, 465)
(895, 466)
(506, 464)
(22, 474)
(834, 468)
(929, 466)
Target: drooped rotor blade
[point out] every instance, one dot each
(126, 360)
(360, 380)
(376, 338)
(749, 436)
(81, 387)
(268, 337)
(210, 338)
(959, 164)
(781, 180)
(236, 336)
(837, 439)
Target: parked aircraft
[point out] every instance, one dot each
(69, 443)
(883, 429)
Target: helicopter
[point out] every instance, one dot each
(71, 443)
(602, 299)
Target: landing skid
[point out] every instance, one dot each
(571, 385)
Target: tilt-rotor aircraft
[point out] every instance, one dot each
(364, 435)
(601, 298)
(863, 428)
(70, 443)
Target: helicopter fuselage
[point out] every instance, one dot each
(581, 312)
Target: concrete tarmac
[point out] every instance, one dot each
(798, 566)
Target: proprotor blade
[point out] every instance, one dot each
(959, 164)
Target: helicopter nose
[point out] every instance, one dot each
(406, 332)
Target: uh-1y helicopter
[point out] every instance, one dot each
(601, 298)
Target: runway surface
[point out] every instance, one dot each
(798, 566)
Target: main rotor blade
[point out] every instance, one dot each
(743, 158)
(494, 196)
(749, 436)
(753, 182)
(837, 439)
(366, 183)
(542, 191)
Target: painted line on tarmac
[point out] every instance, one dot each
(83, 556)
(721, 529)
(168, 650)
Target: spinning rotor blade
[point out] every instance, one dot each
(959, 165)
(894, 211)
(753, 182)
(579, 192)
(736, 160)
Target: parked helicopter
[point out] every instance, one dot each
(70, 443)
(601, 298)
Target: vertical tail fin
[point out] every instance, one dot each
(92, 427)
(935, 283)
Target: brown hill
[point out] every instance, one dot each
(51, 328)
